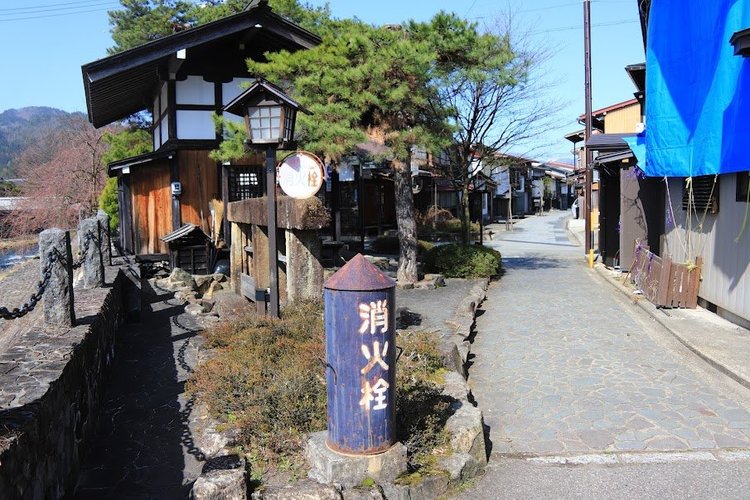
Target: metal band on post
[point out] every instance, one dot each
(106, 237)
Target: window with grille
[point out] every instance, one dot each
(743, 185)
(245, 183)
(705, 194)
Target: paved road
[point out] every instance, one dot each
(565, 367)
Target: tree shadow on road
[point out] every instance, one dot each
(534, 263)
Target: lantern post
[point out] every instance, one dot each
(270, 116)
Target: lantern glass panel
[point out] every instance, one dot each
(265, 123)
(288, 123)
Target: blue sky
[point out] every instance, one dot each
(43, 44)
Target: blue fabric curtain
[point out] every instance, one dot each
(697, 90)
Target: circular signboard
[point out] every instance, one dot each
(301, 175)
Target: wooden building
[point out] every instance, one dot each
(182, 80)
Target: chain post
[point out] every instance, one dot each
(57, 270)
(89, 242)
(106, 237)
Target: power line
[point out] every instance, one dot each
(65, 5)
(58, 14)
(580, 27)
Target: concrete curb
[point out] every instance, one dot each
(652, 311)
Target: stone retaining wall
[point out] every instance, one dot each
(51, 388)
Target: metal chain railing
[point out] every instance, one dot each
(29, 306)
(83, 251)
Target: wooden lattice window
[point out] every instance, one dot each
(743, 185)
(245, 183)
(705, 194)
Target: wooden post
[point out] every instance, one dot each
(273, 269)
(665, 282)
(694, 283)
(236, 255)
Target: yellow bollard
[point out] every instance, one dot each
(591, 258)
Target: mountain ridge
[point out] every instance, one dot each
(22, 127)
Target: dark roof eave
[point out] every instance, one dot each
(138, 160)
(185, 39)
(608, 142)
(142, 62)
(614, 156)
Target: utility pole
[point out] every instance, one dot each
(587, 151)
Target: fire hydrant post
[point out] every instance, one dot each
(361, 359)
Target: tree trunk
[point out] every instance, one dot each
(465, 214)
(407, 224)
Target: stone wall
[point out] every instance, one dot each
(51, 388)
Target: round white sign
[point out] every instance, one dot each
(301, 175)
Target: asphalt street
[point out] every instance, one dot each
(584, 396)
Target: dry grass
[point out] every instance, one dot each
(266, 381)
(20, 242)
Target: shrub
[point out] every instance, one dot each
(267, 381)
(436, 224)
(463, 261)
(390, 245)
(421, 408)
(108, 202)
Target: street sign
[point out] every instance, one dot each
(301, 175)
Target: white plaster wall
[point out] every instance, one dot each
(195, 125)
(234, 88)
(195, 90)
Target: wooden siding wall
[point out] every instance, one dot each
(152, 208)
(623, 121)
(199, 176)
(726, 280)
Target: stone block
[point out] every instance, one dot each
(89, 244)
(459, 466)
(304, 269)
(429, 488)
(230, 305)
(455, 386)
(330, 467)
(373, 493)
(451, 356)
(301, 490)
(57, 299)
(466, 428)
(202, 282)
(220, 485)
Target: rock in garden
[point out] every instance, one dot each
(183, 278)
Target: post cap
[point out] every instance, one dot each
(359, 275)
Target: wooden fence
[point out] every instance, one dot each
(663, 282)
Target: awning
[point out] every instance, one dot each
(183, 232)
(608, 142)
(613, 157)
